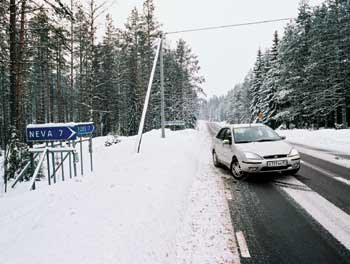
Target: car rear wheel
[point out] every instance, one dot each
(236, 170)
(215, 160)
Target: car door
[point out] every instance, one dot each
(227, 148)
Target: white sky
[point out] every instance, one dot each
(225, 55)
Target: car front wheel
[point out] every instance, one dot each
(215, 160)
(236, 170)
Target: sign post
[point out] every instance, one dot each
(53, 164)
(84, 129)
(48, 164)
(62, 167)
(70, 162)
(81, 156)
(175, 123)
(54, 135)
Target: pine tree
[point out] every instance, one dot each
(268, 103)
(255, 89)
(4, 74)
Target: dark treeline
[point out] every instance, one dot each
(303, 79)
(54, 69)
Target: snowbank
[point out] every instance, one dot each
(135, 208)
(128, 211)
(326, 139)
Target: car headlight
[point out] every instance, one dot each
(252, 156)
(293, 153)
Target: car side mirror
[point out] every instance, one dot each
(226, 142)
(283, 137)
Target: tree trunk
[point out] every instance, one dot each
(344, 115)
(19, 83)
(13, 56)
(71, 113)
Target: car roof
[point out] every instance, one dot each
(233, 126)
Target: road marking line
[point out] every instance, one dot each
(332, 218)
(242, 244)
(333, 176)
(318, 169)
(342, 180)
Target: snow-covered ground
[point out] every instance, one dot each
(329, 144)
(207, 234)
(327, 139)
(134, 208)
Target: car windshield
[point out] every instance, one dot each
(254, 134)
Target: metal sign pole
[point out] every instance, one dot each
(74, 160)
(90, 150)
(81, 156)
(48, 164)
(70, 162)
(31, 159)
(53, 164)
(62, 167)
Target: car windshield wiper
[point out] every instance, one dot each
(243, 141)
(266, 139)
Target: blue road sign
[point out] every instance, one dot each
(84, 128)
(51, 133)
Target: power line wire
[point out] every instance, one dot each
(229, 26)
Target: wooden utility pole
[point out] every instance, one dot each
(148, 94)
(162, 99)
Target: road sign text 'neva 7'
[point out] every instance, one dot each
(51, 132)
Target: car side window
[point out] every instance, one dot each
(221, 134)
(228, 135)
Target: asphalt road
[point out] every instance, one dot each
(279, 228)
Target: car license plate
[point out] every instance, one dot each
(277, 163)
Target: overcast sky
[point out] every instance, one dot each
(225, 55)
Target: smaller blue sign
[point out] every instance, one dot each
(50, 133)
(84, 128)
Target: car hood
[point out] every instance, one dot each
(266, 148)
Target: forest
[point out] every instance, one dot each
(302, 80)
(55, 68)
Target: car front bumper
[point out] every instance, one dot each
(260, 166)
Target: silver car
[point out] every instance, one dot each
(254, 148)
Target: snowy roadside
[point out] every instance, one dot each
(328, 139)
(328, 144)
(130, 210)
(207, 235)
